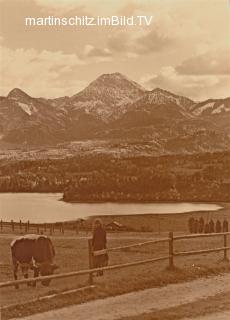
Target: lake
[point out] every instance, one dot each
(46, 207)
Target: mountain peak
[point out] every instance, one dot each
(107, 96)
(17, 93)
(164, 92)
(160, 96)
(116, 79)
(112, 75)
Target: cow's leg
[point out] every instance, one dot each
(26, 276)
(25, 271)
(36, 274)
(15, 274)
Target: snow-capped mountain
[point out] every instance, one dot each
(215, 110)
(159, 96)
(114, 107)
(211, 107)
(107, 97)
(25, 119)
(160, 103)
(23, 100)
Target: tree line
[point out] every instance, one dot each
(100, 177)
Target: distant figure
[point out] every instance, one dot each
(201, 225)
(191, 224)
(206, 228)
(99, 243)
(211, 226)
(225, 225)
(218, 226)
(195, 226)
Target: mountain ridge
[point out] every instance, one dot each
(113, 106)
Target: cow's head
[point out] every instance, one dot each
(25, 269)
(47, 269)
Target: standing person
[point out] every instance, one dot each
(196, 225)
(211, 226)
(225, 225)
(218, 226)
(201, 225)
(99, 243)
(191, 224)
(206, 228)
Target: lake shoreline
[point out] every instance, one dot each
(49, 208)
(217, 202)
(147, 202)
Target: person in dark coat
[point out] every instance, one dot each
(201, 225)
(196, 226)
(218, 226)
(225, 225)
(211, 226)
(191, 224)
(206, 228)
(99, 243)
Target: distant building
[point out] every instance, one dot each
(115, 226)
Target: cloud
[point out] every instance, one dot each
(217, 62)
(152, 41)
(188, 36)
(197, 87)
(139, 43)
(40, 73)
(96, 54)
(96, 6)
(130, 8)
(119, 42)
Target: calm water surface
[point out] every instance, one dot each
(46, 207)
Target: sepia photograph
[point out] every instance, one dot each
(114, 159)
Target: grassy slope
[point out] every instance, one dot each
(72, 255)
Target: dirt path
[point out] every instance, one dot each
(215, 316)
(140, 302)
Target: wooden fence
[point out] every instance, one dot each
(40, 228)
(172, 254)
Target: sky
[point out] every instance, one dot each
(185, 50)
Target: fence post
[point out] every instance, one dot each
(20, 224)
(12, 225)
(171, 251)
(1, 225)
(225, 250)
(28, 225)
(77, 227)
(90, 248)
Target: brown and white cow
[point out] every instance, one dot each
(35, 252)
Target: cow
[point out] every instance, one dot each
(35, 252)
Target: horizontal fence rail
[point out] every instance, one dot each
(81, 272)
(170, 257)
(187, 253)
(104, 251)
(200, 235)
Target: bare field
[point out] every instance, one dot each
(72, 255)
